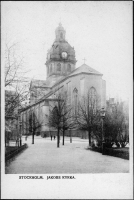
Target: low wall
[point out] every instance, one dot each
(116, 152)
(13, 153)
(73, 133)
(48, 133)
(121, 153)
(76, 133)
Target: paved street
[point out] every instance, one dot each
(44, 157)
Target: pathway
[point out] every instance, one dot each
(44, 157)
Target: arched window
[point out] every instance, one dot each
(54, 95)
(51, 68)
(58, 67)
(48, 69)
(61, 35)
(69, 68)
(75, 96)
(92, 95)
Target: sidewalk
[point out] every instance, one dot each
(44, 157)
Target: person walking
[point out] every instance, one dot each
(54, 137)
(51, 137)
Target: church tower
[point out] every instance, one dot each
(60, 57)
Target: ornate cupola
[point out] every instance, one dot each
(60, 33)
(61, 56)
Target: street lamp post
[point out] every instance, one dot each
(18, 130)
(20, 122)
(103, 138)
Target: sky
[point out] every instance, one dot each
(99, 31)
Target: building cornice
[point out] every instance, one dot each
(75, 75)
(59, 60)
(35, 104)
(61, 81)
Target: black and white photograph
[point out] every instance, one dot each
(66, 103)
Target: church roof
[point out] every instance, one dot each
(85, 68)
(39, 83)
(82, 69)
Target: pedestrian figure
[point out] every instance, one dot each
(54, 137)
(51, 137)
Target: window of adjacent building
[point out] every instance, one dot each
(51, 68)
(75, 96)
(28, 114)
(23, 123)
(48, 69)
(69, 92)
(69, 68)
(24, 118)
(92, 95)
(58, 67)
(82, 81)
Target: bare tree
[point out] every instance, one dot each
(32, 124)
(16, 84)
(14, 100)
(60, 116)
(68, 120)
(114, 125)
(14, 65)
(55, 118)
(87, 115)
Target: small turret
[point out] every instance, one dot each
(60, 57)
(60, 33)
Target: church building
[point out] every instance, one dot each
(62, 75)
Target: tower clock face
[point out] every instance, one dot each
(64, 55)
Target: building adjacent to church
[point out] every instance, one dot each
(62, 75)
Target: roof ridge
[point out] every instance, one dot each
(93, 70)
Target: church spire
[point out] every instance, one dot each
(60, 33)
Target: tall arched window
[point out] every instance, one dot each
(51, 68)
(61, 35)
(92, 95)
(69, 68)
(48, 69)
(75, 96)
(58, 67)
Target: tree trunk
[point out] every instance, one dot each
(58, 139)
(20, 142)
(70, 136)
(63, 137)
(89, 137)
(33, 138)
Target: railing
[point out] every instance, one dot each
(14, 153)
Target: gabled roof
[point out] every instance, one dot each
(85, 68)
(82, 69)
(39, 83)
(54, 80)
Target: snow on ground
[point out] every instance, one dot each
(43, 157)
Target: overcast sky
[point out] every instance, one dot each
(101, 32)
